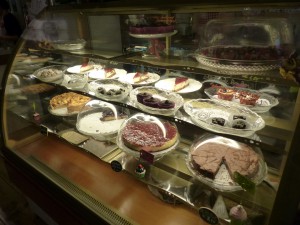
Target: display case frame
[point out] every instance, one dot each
(24, 134)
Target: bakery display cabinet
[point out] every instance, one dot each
(124, 113)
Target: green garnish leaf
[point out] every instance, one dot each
(244, 182)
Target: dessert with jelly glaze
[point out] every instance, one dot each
(142, 95)
(109, 72)
(166, 104)
(149, 136)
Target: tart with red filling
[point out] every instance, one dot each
(149, 136)
(180, 83)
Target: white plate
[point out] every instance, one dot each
(100, 74)
(168, 85)
(153, 77)
(202, 111)
(76, 69)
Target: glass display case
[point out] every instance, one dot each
(151, 114)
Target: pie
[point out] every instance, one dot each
(109, 72)
(207, 158)
(149, 136)
(70, 100)
(37, 88)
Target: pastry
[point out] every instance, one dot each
(37, 88)
(153, 25)
(140, 171)
(109, 115)
(141, 96)
(225, 94)
(166, 104)
(239, 124)
(180, 83)
(149, 136)
(207, 159)
(151, 102)
(249, 99)
(218, 121)
(86, 67)
(71, 100)
(139, 77)
(109, 72)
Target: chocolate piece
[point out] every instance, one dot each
(166, 104)
(239, 117)
(109, 115)
(218, 121)
(141, 96)
(152, 102)
(239, 124)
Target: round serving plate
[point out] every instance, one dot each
(206, 113)
(223, 180)
(159, 94)
(153, 77)
(168, 85)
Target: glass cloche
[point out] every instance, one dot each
(248, 44)
(101, 120)
(145, 133)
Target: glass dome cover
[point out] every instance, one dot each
(142, 132)
(100, 120)
(245, 44)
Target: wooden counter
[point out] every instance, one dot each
(122, 193)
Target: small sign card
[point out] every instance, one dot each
(147, 156)
(208, 215)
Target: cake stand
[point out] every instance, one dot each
(155, 45)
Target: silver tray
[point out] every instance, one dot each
(263, 104)
(202, 111)
(223, 181)
(241, 65)
(160, 94)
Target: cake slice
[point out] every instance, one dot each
(86, 67)
(109, 72)
(180, 83)
(139, 77)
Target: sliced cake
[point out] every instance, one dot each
(180, 83)
(139, 77)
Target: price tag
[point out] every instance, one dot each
(116, 166)
(208, 215)
(147, 156)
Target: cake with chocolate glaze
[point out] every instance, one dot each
(149, 136)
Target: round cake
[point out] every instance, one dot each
(149, 136)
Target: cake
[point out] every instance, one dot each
(249, 99)
(37, 88)
(238, 215)
(151, 102)
(109, 72)
(109, 115)
(239, 124)
(153, 25)
(166, 104)
(70, 100)
(139, 77)
(140, 171)
(208, 158)
(180, 83)
(86, 67)
(141, 96)
(225, 94)
(149, 136)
